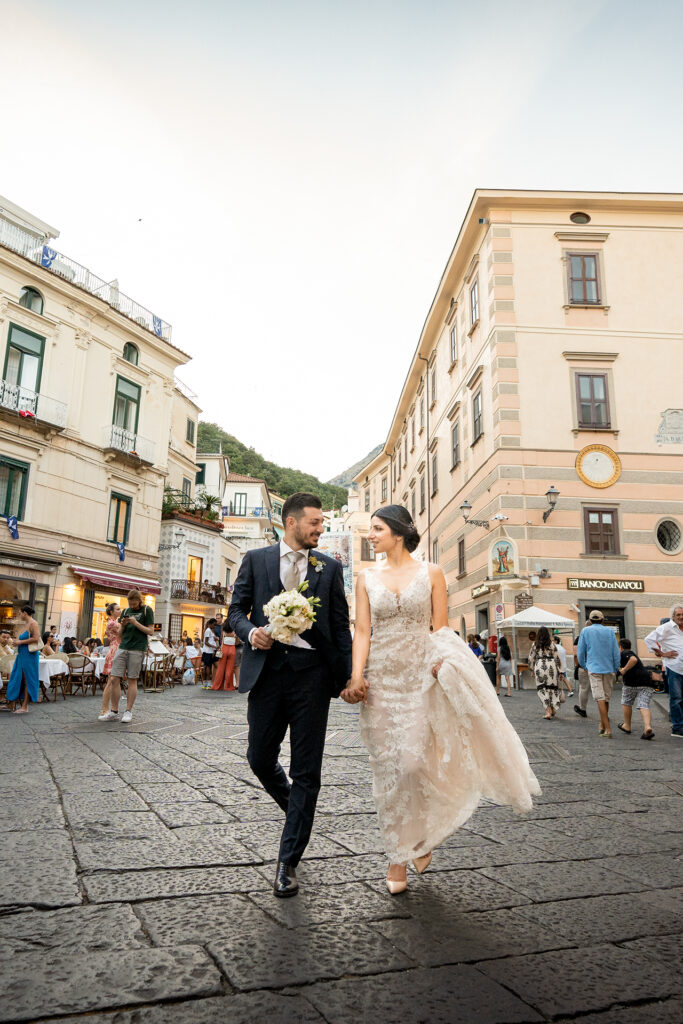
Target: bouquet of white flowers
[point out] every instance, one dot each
(290, 614)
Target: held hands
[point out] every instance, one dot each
(356, 691)
(261, 640)
(437, 668)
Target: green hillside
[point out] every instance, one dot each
(281, 479)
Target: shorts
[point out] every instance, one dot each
(127, 663)
(601, 684)
(640, 695)
(208, 659)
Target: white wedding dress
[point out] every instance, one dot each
(438, 747)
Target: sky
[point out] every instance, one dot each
(283, 181)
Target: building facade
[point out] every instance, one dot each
(247, 512)
(86, 401)
(538, 437)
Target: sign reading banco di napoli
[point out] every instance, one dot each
(581, 583)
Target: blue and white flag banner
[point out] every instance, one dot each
(13, 527)
(48, 257)
(122, 551)
(156, 320)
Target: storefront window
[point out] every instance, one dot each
(99, 616)
(16, 593)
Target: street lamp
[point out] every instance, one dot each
(466, 508)
(552, 494)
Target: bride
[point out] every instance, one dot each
(438, 739)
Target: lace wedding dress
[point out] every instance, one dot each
(438, 747)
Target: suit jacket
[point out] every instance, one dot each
(257, 581)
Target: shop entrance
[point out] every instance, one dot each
(15, 593)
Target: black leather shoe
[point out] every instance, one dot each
(580, 711)
(285, 881)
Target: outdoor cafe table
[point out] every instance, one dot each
(49, 667)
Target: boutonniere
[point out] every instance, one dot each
(317, 565)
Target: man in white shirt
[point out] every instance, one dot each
(666, 641)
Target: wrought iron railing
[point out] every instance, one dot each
(34, 249)
(131, 444)
(32, 405)
(191, 590)
(256, 512)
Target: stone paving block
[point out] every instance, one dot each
(520, 831)
(176, 815)
(28, 814)
(87, 808)
(275, 956)
(123, 825)
(451, 938)
(458, 890)
(657, 871)
(138, 854)
(333, 871)
(92, 981)
(661, 947)
(452, 858)
(361, 822)
(605, 918)
(242, 1008)
(133, 886)
(169, 793)
(562, 848)
(669, 1011)
(594, 827)
(341, 799)
(441, 995)
(590, 978)
(150, 777)
(317, 904)
(70, 930)
(37, 871)
(591, 878)
(359, 841)
(195, 920)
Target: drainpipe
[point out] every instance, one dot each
(429, 489)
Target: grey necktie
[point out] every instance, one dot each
(292, 574)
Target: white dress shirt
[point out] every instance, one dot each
(668, 637)
(302, 566)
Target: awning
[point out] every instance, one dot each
(115, 581)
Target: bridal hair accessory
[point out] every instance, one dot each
(317, 565)
(290, 614)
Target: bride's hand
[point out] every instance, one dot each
(437, 668)
(355, 692)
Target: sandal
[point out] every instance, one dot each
(648, 735)
(627, 731)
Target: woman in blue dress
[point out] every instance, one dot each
(24, 674)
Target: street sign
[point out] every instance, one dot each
(523, 601)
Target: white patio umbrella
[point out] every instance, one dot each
(533, 618)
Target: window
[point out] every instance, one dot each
(474, 304)
(455, 445)
(367, 499)
(189, 431)
(412, 434)
(461, 557)
(228, 577)
(432, 385)
(187, 491)
(435, 552)
(422, 493)
(435, 479)
(194, 569)
(131, 353)
(592, 401)
(398, 461)
(119, 519)
(477, 424)
(31, 299)
(200, 475)
(600, 529)
(126, 405)
(454, 343)
(579, 218)
(24, 358)
(384, 488)
(422, 414)
(240, 504)
(669, 536)
(13, 483)
(367, 552)
(584, 287)
(412, 503)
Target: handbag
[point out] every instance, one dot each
(33, 647)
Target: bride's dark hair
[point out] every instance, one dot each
(400, 522)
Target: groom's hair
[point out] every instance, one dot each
(296, 503)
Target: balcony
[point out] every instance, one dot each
(257, 512)
(190, 590)
(118, 442)
(32, 407)
(33, 248)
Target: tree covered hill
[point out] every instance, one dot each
(280, 479)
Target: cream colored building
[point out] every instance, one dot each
(551, 360)
(87, 400)
(247, 512)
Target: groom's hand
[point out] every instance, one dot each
(355, 692)
(261, 640)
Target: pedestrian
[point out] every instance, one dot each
(564, 682)
(225, 673)
(69, 647)
(47, 650)
(582, 681)
(474, 646)
(6, 648)
(598, 652)
(544, 662)
(637, 689)
(209, 648)
(24, 675)
(504, 666)
(113, 633)
(667, 643)
(136, 625)
(218, 628)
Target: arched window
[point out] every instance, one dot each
(130, 353)
(31, 299)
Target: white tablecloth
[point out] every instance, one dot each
(99, 665)
(49, 667)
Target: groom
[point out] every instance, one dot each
(291, 685)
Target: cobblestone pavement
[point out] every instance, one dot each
(136, 867)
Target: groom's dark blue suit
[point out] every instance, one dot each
(290, 686)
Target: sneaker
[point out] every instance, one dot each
(108, 716)
(678, 735)
(571, 693)
(580, 711)
(127, 716)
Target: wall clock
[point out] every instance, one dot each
(598, 466)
